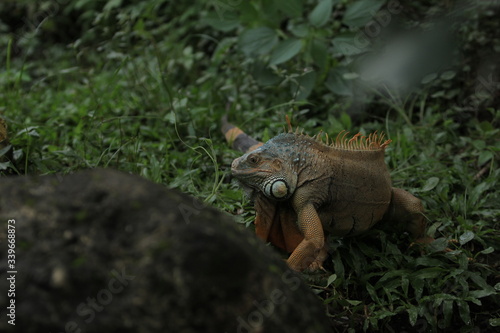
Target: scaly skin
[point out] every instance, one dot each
(304, 189)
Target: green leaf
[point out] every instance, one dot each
(285, 51)
(448, 75)
(413, 315)
(345, 120)
(384, 314)
(428, 273)
(463, 261)
(170, 117)
(372, 292)
(331, 279)
(463, 309)
(227, 23)
(112, 4)
(473, 300)
(222, 49)
(405, 283)
(5, 165)
(430, 184)
(390, 275)
(300, 30)
(338, 265)
(484, 157)
(247, 12)
(488, 250)
(418, 287)
(482, 293)
(477, 192)
(360, 12)
(429, 262)
(466, 237)
(336, 84)
(350, 76)
(428, 78)
(347, 45)
(486, 126)
(439, 93)
(291, 8)
(352, 302)
(479, 144)
(304, 86)
(4, 150)
(479, 280)
(495, 322)
(319, 54)
(439, 244)
(31, 131)
(264, 75)
(257, 41)
(448, 311)
(321, 13)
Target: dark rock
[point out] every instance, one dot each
(103, 251)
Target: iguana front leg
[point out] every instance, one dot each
(312, 246)
(276, 223)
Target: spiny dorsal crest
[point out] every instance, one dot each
(373, 141)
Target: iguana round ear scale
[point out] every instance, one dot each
(276, 189)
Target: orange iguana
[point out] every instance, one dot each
(304, 187)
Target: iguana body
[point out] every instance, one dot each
(304, 188)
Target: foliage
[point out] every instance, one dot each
(140, 86)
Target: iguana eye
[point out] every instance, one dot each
(253, 159)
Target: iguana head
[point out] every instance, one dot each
(264, 170)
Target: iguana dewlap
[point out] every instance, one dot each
(304, 188)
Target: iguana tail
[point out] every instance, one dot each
(238, 139)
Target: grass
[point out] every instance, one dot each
(154, 111)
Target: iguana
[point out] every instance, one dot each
(306, 187)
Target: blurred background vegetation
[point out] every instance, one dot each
(141, 85)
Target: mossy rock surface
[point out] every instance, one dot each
(104, 251)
